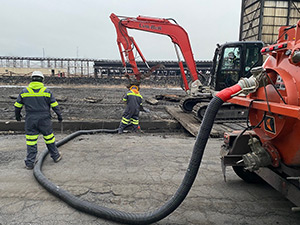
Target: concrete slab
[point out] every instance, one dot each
(133, 173)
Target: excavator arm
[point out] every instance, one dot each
(162, 26)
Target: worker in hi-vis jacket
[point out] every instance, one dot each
(38, 100)
(133, 100)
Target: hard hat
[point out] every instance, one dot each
(134, 87)
(37, 74)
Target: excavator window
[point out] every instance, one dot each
(252, 57)
(230, 66)
(232, 58)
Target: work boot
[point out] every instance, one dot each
(137, 130)
(58, 159)
(29, 167)
(120, 131)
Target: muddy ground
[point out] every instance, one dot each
(129, 172)
(92, 102)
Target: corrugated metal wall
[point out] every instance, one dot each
(261, 19)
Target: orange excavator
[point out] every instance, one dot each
(231, 62)
(177, 34)
(269, 148)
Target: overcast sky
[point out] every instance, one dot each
(69, 28)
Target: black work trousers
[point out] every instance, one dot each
(35, 124)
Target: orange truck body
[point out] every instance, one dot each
(281, 127)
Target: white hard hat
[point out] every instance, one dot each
(37, 74)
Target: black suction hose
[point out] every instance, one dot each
(136, 218)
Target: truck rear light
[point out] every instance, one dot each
(263, 50)
(284, 45)
(273, 47)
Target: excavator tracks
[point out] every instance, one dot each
(187, 104)
(229, 113)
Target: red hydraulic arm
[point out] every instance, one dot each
(155, 25)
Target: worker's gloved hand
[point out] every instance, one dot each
(18, 117)
(18, 114)
(143, 109)
(146, 110)
(59, 118)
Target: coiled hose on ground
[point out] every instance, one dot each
(138, 218)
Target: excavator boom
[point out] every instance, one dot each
(154, 25)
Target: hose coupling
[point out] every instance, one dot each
(251, 84)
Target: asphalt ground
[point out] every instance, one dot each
(132, 173)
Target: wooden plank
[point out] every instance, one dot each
(185, 119)
(218, 130)
(152, 101)
(236, 126)
(192, 125)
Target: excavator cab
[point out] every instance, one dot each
(232, 61)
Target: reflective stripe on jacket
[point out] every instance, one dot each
(36, 98)
(133, 99)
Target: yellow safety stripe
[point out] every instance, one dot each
(132, 93)
(135, 122)
(44, 94)
(19, 105)
(124, 99)
(50, 141)
(30, 90)
(42, 90)
(125, 121)
(54, 104)
(32, 137)
(31, 142)
(49, 136)
(31, 93)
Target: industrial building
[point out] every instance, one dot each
(261, 19)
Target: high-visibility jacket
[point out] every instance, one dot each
(133, 100)
(37, 99)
